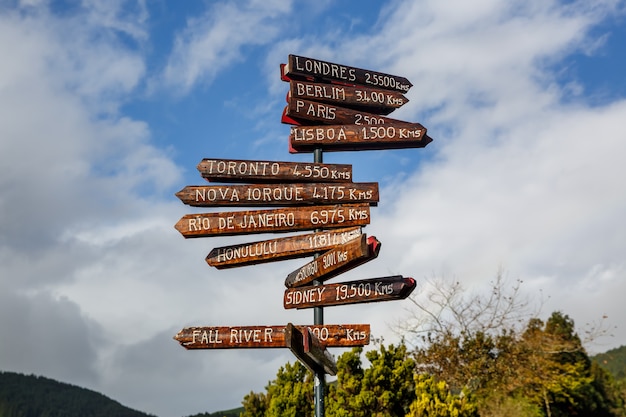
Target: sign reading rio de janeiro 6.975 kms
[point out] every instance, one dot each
(279, 194)
(273, 220)
(363, 291)
(279, 249)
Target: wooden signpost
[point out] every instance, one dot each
(336, 261)
(357, 137)
(353, 292)
(238, 170)
(279, 194)
(233, 337)
(290, 247)
(332, 107)
(273, 221)
(374, 100)
(307, 347)
(299, 67)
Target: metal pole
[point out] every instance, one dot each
(318, 318)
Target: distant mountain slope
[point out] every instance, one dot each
(614, 361)
(36, 396)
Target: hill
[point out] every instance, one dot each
(614, 361)
(36, 396)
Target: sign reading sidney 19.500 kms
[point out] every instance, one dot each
(273, 221)
(299, 66)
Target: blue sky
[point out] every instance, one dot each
(106, 108)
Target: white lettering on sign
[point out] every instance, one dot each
(390, 132)
(330, 216)
(199, 223)
(324, 68)
(378, 97)
(319, 172)
(275, 194)
(213, 194)
(249, 335)
(318, 110)
(321, 91)
(358, 214)
(366, 119)
(247, 251)
(332, 239)
(242, 167)
(313, 134)
(267, 220)
(308, 295)
(387, 81)
(353, 335)
(333, 258)
(340, 192)
(306, 271)
(206, 336)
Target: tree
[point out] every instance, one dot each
(385, 389)
(434, 399)
(289, 395)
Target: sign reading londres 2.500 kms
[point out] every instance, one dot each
(274, 220)
(309, 67)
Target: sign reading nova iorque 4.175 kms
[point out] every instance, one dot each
(336, 261)
(237, 170)
(357, 137)
(227, 337)
(273, 221)
(290, 247)
(363, 291)
(375, 100)
(279, 194)
(299, 66)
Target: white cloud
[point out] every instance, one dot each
(213, 42)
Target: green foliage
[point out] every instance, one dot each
(614, 361)
(434, 399)
(30, 396)
(235, 412)
(289, 395)
(384, 389)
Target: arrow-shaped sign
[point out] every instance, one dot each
(273, 221)
(280, 249)
(297, 194)
(309, 350)
(231, 337)
(364, 291)
(335, 261)
(358, 137)
(309, 68)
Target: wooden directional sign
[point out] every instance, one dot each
(375, 100)
(308, 349)
(296, 194)
(357, 137)
(237, 170)
(290, 247)
(336, 261)
(364, 291)
(273, 221)
(299, 67)
(228, 337)
(305, 112)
